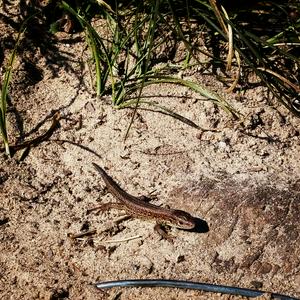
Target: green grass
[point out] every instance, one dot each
(5, 90)
(136, 33)
(237, 43)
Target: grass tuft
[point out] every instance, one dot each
(234, 40)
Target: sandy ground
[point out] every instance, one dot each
(244, 181)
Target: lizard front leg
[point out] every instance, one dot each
(161, 230)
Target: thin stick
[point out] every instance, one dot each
(124, 240)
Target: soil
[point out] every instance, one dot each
(242, 180)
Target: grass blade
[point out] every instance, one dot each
(203, 91)
(4, 91)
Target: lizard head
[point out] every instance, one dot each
(183, 219)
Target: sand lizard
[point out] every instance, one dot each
(137, 207)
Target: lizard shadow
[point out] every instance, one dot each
(201, 226)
